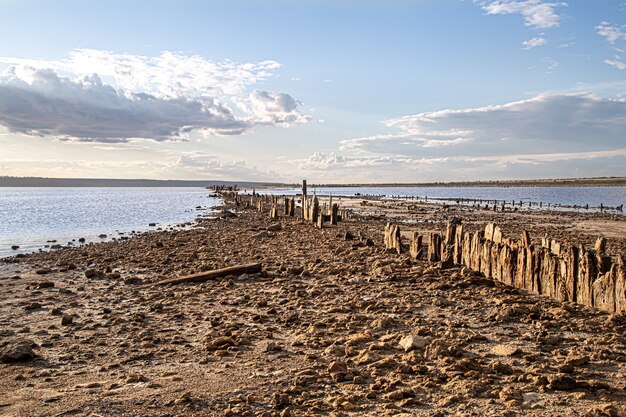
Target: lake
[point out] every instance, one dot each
(29, 217)
(562, 196)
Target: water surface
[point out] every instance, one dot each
(31, 216)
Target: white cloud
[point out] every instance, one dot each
(612, 33)
(203, 165)
(534, 42)
(537, 14)
(170, 74)
(274, 108)
(617, 63)
(184, 165)
(546, 123)
(104, 97)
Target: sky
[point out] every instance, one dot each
(331, 91)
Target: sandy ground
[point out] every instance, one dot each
(334, 326)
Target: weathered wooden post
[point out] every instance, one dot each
(315, 210)
(393, 238)
(333, 214)
(304, 200)
(416, 246)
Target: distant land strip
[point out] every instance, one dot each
(561, 182)
(6, 181)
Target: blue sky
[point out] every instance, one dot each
(341, 91)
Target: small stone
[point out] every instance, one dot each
(67, 320)
(561, 383)
(504, 350)
(20, 350)
(274, 227)
(220, 343)
(43, 271)
(44, 284)
(338, 368)
(135, 378)
(409, 343)
(577, 360)
(90, 273)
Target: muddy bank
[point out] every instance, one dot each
(332, 326)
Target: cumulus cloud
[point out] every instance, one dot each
(611, 32)
(617, 63)
(104, 97)
(203, 164)
(273, 108)
(184, 165)
(545, 123)
(534, 42)
(547, 135)
(537, 13)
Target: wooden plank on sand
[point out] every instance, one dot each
(216, 273)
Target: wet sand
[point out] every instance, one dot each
(333, 325)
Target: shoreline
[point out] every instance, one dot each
(333, 325)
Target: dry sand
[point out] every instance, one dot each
(332, 327)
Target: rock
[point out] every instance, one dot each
(67, 320)
(151, 224)
(43, 271)
(338, 368)
(102, 236)
(20, 350)
(274, 227)
(577, 360)
(280, 399)
(271, 346)
(561, 383)
(409, 343)
(91, 273)
(262, 235)
(218, 343)
(32, 306)
(135, 378)
(15, 247)
(81, 240)
(56, 312)
(504, 350)
(44, 284)
(511, 395)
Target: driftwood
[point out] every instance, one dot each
(216, 273)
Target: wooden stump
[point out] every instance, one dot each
(416, 246)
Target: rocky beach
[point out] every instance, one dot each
(333, 325)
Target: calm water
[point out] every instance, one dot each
(564, 196)
(31, 216)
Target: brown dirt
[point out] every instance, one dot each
(316, 334)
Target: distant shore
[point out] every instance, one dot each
(563, 182)
(6, 181)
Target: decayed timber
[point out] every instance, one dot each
(216, 273)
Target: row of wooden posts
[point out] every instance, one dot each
(564, 272)
(285, 206)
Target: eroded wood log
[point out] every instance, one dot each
(393, 238)
(333, 214)
(416, 246)
(216, 273)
